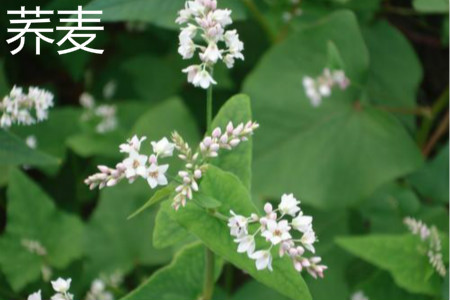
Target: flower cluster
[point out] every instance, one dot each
(317, 88)
(60, 286)
(106, 114)
(98, 291)
(206, 23)
(135, 165)
(294, 11)
(209, 147)
(359, 295)
(35, 247)
(292, 237)
(18, 107)
(430, 236)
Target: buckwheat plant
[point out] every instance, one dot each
(25, 108)
(320, 87)
(206, 32)
(286, 228)
(106, 114)
(430, 236)
(60, 286)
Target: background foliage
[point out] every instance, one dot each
(360, 163)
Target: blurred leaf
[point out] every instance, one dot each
(4, 87)
(431, 6)
(335, 61)
(333, 155)
(33, 216)
(381, 286)
(157, 197)
(432, 180)
(158, 12)
(14, 152)
(167, 231)
(52, 134)
(112, 242)
(404, 256)
(239, 160)
(153, 78)
(182, 279)
(392, 81)
(255, 290)
(228, 189)
(387, 207)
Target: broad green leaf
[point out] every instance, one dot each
(431, 6)
(158, 12)
(182, 279)
(167, 231)
(33, 216)
(404, 256)
(388, 206)
(255, 290)
(431, 181)
(381, 286)
(14, 152)
(335, 61)
(89, 143)
(228, 189)
(112, 242)
(332, 155)
(393, 82)
(51, 135)
(206, 201)
(239, 160)
(153, 78)
(157, 197)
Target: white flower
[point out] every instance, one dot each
(35, 296)
(192, 72)
(263, 259)
(156, 175)
(203, 79)
(289, 205)
(87, 101)
(302, 223)
(211, 54)
(132, 145)
(277, 232)
(238, 225)
(359, 295)
(308, 239)
(186, 48)
(31, 141)
(135, 165)
(163, 148)
(61, 285)
(223, 17)
(246, 244)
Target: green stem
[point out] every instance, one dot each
(261, 19)
(209, 109)
(208, 285)
(427, 123)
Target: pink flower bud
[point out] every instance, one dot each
(268, 208)
(216, 132)
(234, 142)
(198, 174)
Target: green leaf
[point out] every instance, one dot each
(228, 189)
(206, 201)
(182, 279)
(33, 216)
(112, 242)
(404, 256)
(139, 69)
(158, 12)
(14, 152)
(51, 135)
(380, 286)
(432, 180)
(167, 231)
(333, 155)
(392, 82)
(431, 6)
(239, 160)
(335, 61)
(89, 143)
(255, 290)
(157, 197)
